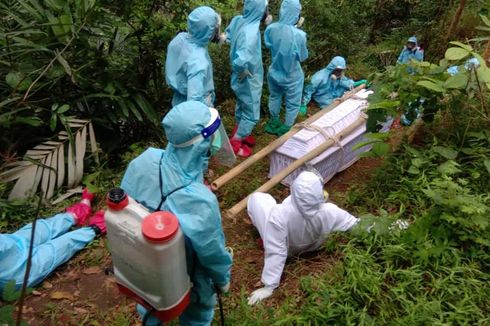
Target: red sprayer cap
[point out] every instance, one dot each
(117, 199)
(160, 226)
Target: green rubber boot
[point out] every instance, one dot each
(283, 129)
(272, 126)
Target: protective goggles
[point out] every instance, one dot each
(220, 143)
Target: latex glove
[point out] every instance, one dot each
(334, 77)
(98, 222)
(303, 109)
(268, 20)
(259, 295)
(360, 82)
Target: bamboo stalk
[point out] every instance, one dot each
(232, 212)
(230, 175)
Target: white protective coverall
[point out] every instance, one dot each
(300, 224)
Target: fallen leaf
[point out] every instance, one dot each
(36, 292)
(47, 285)
(59, 295)
(76, 293)
(81, 310)
(258, 284)
(92, 270)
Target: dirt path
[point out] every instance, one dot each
(80, 293)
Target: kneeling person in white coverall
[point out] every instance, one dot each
(300, 224)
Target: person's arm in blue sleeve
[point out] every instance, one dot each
(229, 29)
(346, 83)
(311, 88)
(196, 80)
(419, 55)
(400, 57)
(244, 55)
(209, 244)
(302, 53)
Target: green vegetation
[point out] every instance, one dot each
(103, 60)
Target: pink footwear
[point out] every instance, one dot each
(249, 140)
(97, 222)
(240, 148)
(82, 210)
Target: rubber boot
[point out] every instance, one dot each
(272, 126)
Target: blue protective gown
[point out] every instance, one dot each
(288, 47)
(246, 64)
(53, 246)
(195, 206)
(188, 68)
(406, 55)
(323, 89)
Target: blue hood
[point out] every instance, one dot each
(201, 24)
(290, 10)
(336, 63)
(254, 10)
(413, 39)
(184, 122)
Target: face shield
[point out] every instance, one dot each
(220, 147)
(217, 36)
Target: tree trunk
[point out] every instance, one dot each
(456, 18)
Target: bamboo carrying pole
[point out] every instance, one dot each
(224, 179)
(296, 164)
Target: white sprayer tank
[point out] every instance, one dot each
(148, 253)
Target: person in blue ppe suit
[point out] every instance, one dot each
(188, 68)
(247, 71)
(328, 84)
(411, 51)
(181, 191)
(53, 244)
(288, 46)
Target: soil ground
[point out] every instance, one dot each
(80, 292)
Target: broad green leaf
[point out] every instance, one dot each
(485, 20)
(487, 165)
(449, 168)
(65, 65)
(456, 54)
(9, 292)
(462, 45)
(458, 81)
(380, 149)
(484, 74)
(18, 80)
(431, 86)
(446, 152)
(31, 121)
(53, 122)
(413, 170)
(62, 109)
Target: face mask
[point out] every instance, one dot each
(410, 46)
(300, 22)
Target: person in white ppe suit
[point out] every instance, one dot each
(300, 224)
